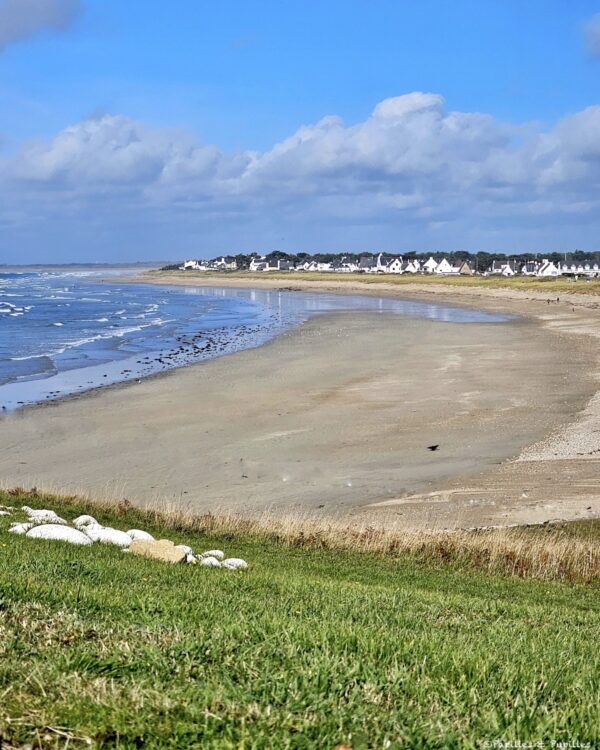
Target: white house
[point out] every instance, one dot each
(530, 268)
(429, 266)
(571, 269)
(395, 266)
(343, 266)
(503, 268)
(194, 265)
(277, 264)
(257, 263)
(411, 266)
(367, 263)
(579, 269)
(445, 268)
(308, 265)
(349, 266)
(382, 262)
(225, 263)
(547, 269)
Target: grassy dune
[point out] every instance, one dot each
(327, 639)
(518, 283)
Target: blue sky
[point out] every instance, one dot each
(150, 129)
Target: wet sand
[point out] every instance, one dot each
(334, 419)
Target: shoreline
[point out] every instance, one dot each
(193, 347)
(578, 315)
(488, 298)
(426, 492)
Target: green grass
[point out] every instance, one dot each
(309, 648)
(518, 283)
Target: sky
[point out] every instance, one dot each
(145, 130)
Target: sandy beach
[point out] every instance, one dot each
(334, 419)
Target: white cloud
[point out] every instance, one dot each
(21, 19)
(400, 107)
(408, 169)
(592, 35)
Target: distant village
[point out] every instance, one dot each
(462, 264)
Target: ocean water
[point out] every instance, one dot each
(64, 333)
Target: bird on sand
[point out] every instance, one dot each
(432, 447)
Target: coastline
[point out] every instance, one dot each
(351, 451)
(493, 299)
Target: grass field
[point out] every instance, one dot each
(519, 283)
(313, 647)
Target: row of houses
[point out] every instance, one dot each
(224, 263)
(544, 269)
(396, 264)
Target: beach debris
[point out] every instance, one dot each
(82, 521)
(139, 535)
(234, 563)
(107, 535)
(20, 528)
(433, 447)
(85, 530)
(159, 550)
(219, 554)
(43, 516)
(59, 533)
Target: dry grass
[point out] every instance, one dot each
(517, 283)
(559, 551)
(544, 552)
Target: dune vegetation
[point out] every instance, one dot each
(561, 285)
(358, 638)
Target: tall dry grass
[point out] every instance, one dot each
(550, 286)
(562, 551)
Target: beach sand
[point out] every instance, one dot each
(334, 419)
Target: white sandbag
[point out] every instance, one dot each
(81, 521)
(106, 535)
(59, 533)
(219, 554)
(234, 563)
(43, 515)
(20, 528)
(139, 535)
(209, 562)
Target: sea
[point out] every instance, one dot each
(63, 333)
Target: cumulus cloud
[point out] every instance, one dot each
(22, 19)
(408, 169)
(592, 35)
